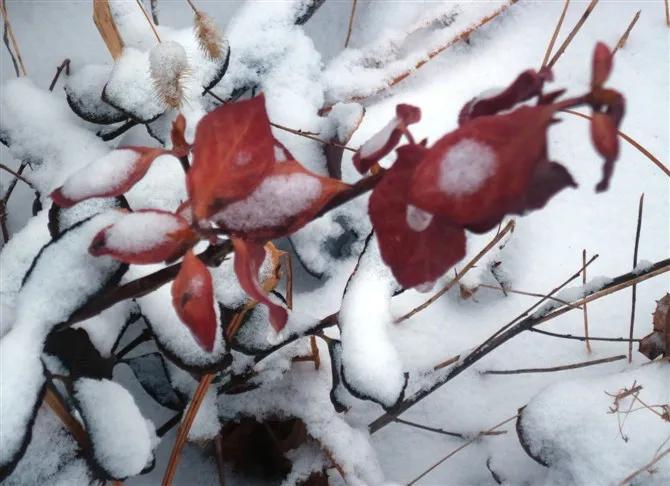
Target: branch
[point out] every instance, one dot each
(554, 368)
(616, 284)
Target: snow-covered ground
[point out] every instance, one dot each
(569, 412)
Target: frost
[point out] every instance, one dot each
(466, 167)
(123, 440)
(277, 199)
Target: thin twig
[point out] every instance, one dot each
(151, 24)
(351, 22)
(585, 308)
(583, 338)
(624, 37)
(18, 176)
(650, 463)
(550, 47)
(628, 139)
(508, 227)
(458, 449)
(64, 65)
(9, 32)
(634, 293)
(572, 33)
(182, 433)
(555, 368)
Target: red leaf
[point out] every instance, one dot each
(249, 257)
(109, 176)
(606, 140)
(193, 300)
(146, 236)
(385, 140)
(527, 85)
(287, 199)
(602, 65)
(233, 151)
(180, 147)
(415, 257)
(484, 169)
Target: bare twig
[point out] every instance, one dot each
(458, 449)
(585, 308)
(630, 140)
(146, 16)
(650, 463)
(18, 176)
(550, 47)
(182, 433)
(583, 338)
(64, 65)
(572, 33)
(9, 36)
(351, 22)
(634, 293)
(508, 227)
(555, 368)
(624, 37)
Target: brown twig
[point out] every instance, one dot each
(572, 33)
(151, 24)
(550, 47)
(554, 368)
(9, 36)
(583, 338)
(18, 176)
(585, 308)
(64, 65)
(634, 290)
(182, 433)
(624, 37)
(351, 22)
(630, 140)
(650, 463)
(458, 449)
(508, 228)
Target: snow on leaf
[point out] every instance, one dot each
(145, 236)
(122, 439)
(234, 150)
(287, 199)
(111, 175)
(415, 257)
(249, 257)
(193, 299)
(386, 139)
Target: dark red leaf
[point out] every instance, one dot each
(180, 147)
(145, 236)
(249, 257)
(484, 169)
(527, 85)
(415, 256)
(193, 300)
(385, 140)
(602, 65)
(109, 176)
(233, 151)
(287, 199)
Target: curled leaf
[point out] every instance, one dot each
(249, 257)
(193, 300)
(386, 139)
(109, 176)
(163, 236)
(233, 151)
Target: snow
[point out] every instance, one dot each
(466, 167)
(371, 364)
(581, 438)
(122, 439)
(141, 231)
(272, 203)
(102, 175)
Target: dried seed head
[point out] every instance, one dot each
(210, 37)
(169, 67)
